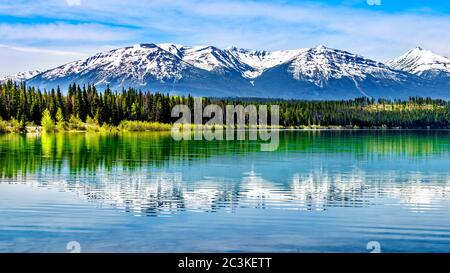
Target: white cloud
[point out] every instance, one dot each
(19, 59)
(73, 2)
(252, 24)
(41, 50)
(62, 32)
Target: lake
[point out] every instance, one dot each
(321, 191)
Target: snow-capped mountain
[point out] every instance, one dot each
(170, 68)
(260, 61)
(250, 64)
(423, 63)
(213, 59)
(323, 72)
(319, 65)
(21, 76)
(309, 73)
(130, 65)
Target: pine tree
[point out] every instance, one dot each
(60, 122)
(47, 121)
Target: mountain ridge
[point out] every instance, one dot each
(21, 76)
(307, 73)
(423, 63)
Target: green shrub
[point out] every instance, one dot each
(91, 121)
(75, 124)
(15, 126)
(31, 127)
(140, 126)
(3, 127)
(92, 124)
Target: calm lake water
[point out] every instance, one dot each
(319, 192)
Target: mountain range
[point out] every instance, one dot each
(21, 76)
(308, 73)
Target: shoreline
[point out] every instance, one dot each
(115, 130)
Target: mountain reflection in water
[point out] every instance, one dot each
(151, 174)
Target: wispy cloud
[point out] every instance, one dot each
(73, 2)
(41, 50)
(63, 32)
(18, 58)
(368, 30)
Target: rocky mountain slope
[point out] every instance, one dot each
(308, 73)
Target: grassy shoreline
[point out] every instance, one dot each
(141, 126)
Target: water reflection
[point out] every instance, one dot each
(161, 193)
(321, 191)
(88, 153)
(150, 174)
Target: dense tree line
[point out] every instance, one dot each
(361, 112)
(27, 105)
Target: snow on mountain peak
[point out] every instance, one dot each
(321, 47)
(422, 62)
(207, 70)
(262, 60)
(172, 48)
(320, 64)
(21, 76)
(249, 63)
(134, 62)
(211, 58)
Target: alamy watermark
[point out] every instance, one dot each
(374, 2)
(73, 247)
(241, 123)
(374, 247)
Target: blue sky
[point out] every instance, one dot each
(43, 34)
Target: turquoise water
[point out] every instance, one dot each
(329, 191)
